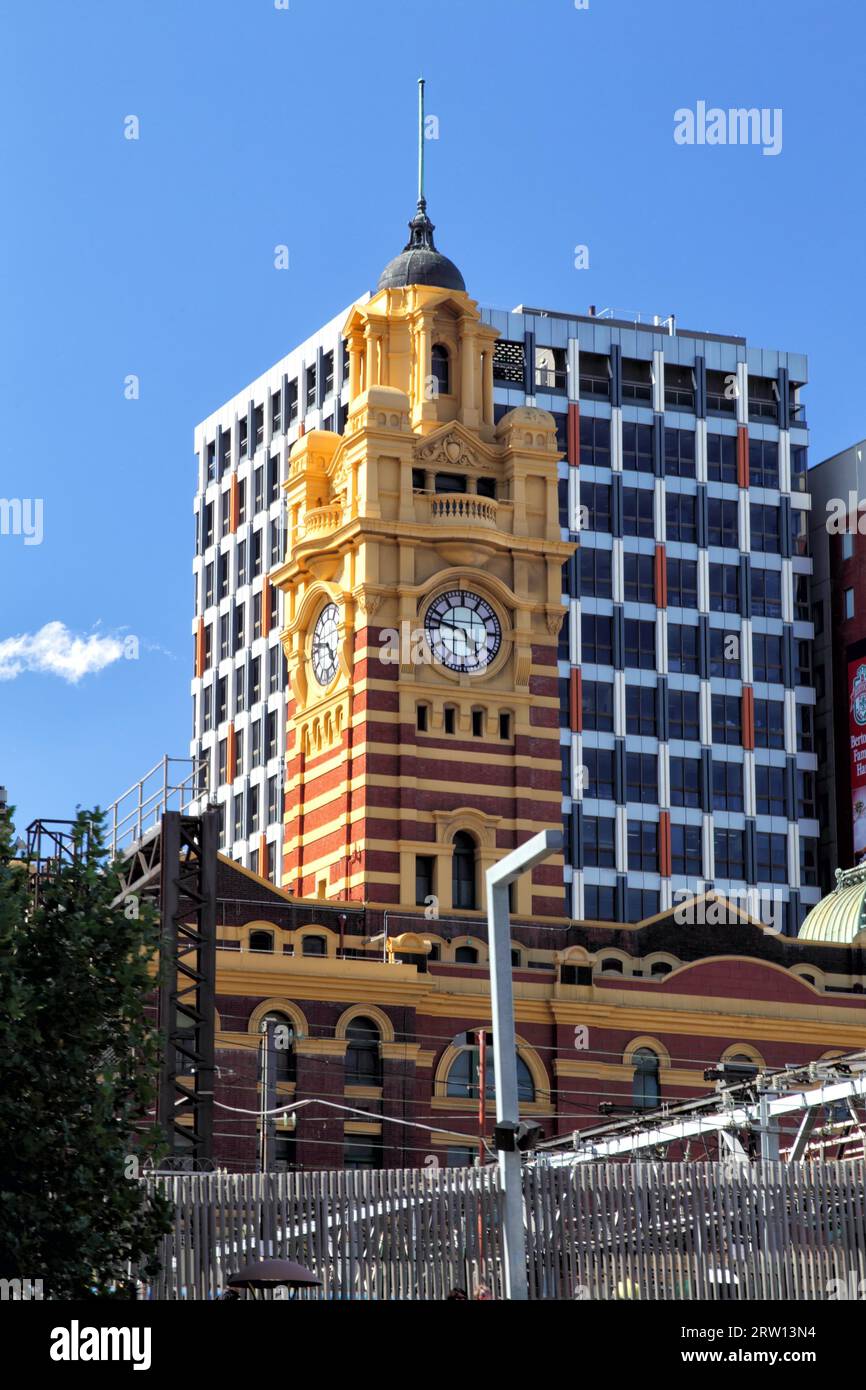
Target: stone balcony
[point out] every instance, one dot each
(320, 519)
(458, 508)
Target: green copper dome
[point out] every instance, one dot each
(841, 916)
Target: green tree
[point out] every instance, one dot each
(78, 1062)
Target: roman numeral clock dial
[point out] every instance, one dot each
(325, 640)
(463, 631)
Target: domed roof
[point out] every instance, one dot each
(419, 263)
(841, 916)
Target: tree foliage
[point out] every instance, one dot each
(78, 1062)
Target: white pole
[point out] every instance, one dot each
(519, 861)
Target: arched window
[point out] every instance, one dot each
(463, 1076)
(282, 1063)
(611, 965)
(261, 941)
(440, 363)
(660, 967)
(645, 1089)
(463, 871)
(315, 946)
(363, 1063)
(466, 955)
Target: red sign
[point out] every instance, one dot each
(857, 738)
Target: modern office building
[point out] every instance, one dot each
(403, 457)
(838, 543)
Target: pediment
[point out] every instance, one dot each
(454, 446)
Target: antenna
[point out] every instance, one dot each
(421, 199)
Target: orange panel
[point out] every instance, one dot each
(232, 756)
(573, 433)
(575, 701)
(748, 717)
(661, 577)
(742, 456)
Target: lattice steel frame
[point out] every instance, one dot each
(188, 894)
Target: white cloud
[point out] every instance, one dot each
(56, 651)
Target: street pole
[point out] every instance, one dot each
(520, 861)
(263, 1109)
(481, 1038)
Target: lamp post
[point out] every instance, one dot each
(520, 861)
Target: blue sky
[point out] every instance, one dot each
(261, 126)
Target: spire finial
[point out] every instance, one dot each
(422, 203)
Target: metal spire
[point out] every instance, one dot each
(422, 202)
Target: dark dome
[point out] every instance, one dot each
(419, 263)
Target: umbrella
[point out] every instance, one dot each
(266, 1274)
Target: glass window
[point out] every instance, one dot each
(685, 782)
(764, 528)
(363, 1151)
(681, 514)
(595, 505)
(772, 858)
(769, 790)
(763, 463)
(767, 655)
(440, 363)
(638, 518)
(682, 583)
(363, 1062)
(595, 572)
(598, 842)
(769, 724)
(641, 777)
(683, 714)
(679, 453)
(727, 719)
(643, 846)
(724, 588)
(683, 648)
(730, 854)
(727, 786)
(640, 644)
(724, 654)
(599, 902)
(637, 447)
(594, 442)
(640, 709)
(686, 850)
(641, 903)
(722, 522)
(639, 577)
(596, 638)
(463, 891)
(766, 593)
(463, 1076)
(598, 706)
(721, 458)
(645, 1089)
(598, 782)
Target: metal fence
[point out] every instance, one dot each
(718, 1231)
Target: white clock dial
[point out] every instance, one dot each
(325, 639)
(463, 631)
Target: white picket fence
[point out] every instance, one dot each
(597, 1231)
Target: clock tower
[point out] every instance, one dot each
(422, 585)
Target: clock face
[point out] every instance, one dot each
(325, 638)
(463, 631)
